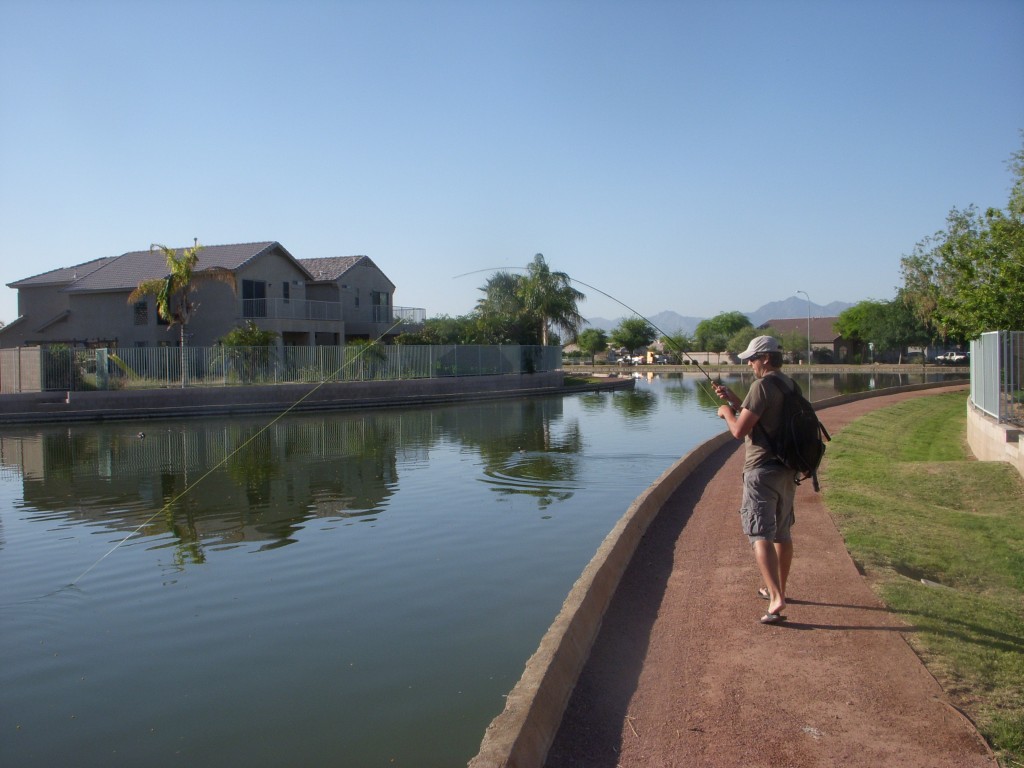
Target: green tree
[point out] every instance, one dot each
(174, 292)
(793, 343)
(677, 343)
(969, 278)
(526, 309)
(248, 335)
(633, 333)
(860, 323)
(887, 326)
(591, 341)
(551, 300)
(713, 334)
(367, 359)
(739, 340)
(502, 316)
(443, 329)
(247, 350)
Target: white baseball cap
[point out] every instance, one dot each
(758, 346)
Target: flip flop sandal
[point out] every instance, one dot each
(763, 594)
(772, 618)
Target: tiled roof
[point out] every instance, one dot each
(62, 275)
(330, 268)
(126, 271)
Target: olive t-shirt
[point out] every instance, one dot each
(765, 400)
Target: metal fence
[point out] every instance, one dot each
(151, 367)
(997, 375)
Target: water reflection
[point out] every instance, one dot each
(635, 404)
(225, 482)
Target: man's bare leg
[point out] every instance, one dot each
(784, 554)
(768, 564)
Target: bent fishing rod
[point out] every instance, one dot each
(621, 303)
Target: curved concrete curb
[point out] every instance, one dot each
(522, 734)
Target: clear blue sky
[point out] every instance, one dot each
(690, 156)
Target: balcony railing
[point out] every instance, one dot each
(291, 309)
(408, 315)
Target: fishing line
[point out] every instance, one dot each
(188, 489)
(664, 335)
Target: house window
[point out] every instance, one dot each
(379, 301)
(254, 298)
(142, 312)
(286, 291)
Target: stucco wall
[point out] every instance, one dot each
(37, 305)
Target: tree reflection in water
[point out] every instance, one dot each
(227, 482)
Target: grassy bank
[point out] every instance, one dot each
(941, 539)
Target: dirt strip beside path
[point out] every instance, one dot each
(683, 674)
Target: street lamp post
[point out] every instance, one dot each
(808, 325)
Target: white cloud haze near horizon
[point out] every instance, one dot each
(691, 156)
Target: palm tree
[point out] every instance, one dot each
(550, 299)
(528, 306)
(501, 314)
(173, 292)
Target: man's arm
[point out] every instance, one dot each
(740, 426)
(741, 422)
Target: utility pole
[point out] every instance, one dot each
(808, 325)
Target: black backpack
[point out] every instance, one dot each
(800, 440)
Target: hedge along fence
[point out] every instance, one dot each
(65, 369)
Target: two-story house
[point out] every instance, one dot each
(306, 302)
(362, 291)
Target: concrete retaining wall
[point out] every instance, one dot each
(212, 401)
(991, 441)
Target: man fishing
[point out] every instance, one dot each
(766, 512)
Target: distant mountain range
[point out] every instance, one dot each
(671, 322)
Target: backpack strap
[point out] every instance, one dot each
(772, 442)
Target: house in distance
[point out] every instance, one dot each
(307, 302)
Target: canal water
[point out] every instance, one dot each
(340, 589)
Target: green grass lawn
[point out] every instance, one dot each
(913, 505)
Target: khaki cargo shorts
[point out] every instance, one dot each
(766, 512)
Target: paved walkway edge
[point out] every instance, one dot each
(522, 734)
